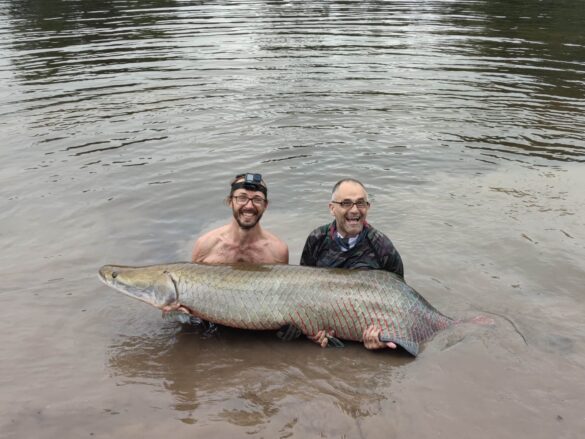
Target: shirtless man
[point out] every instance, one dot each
(242, 239)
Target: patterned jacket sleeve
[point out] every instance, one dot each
(393, 262)
(387, 254)
(309, 255)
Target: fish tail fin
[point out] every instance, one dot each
(409, 346)
(480, 320)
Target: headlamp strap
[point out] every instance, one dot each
(252, 182)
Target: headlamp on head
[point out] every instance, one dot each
(253, 179)
(252, 182)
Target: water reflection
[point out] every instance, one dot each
(501, 80)
(246, 378)
(123, 120)
(532, 60)
(61, 40)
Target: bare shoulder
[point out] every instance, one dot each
(205, 244)
(277, 246)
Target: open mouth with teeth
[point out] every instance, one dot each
(248, 213)
(353, 224)
(247, 218)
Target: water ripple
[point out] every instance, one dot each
(453, 73)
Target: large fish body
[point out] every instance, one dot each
(267, 297)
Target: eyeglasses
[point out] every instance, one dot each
(242, 200)
(348, 204)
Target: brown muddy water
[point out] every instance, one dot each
(122, 122)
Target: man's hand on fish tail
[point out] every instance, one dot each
(371, 337)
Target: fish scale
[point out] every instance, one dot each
(271, 296)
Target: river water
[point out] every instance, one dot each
(122, 123)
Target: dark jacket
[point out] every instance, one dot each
(373, 251)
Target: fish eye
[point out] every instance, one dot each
(114, 274)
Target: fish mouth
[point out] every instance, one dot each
(107, 274)
(157, 288)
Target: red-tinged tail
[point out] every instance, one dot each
(480, 320)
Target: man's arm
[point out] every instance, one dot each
(198, 254)
(279, 251)
(312, 243)
(308, 257)
(387, 254)
(284, 254)
(393, 263)
(204, 245)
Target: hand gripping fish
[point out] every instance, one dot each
(268, 297)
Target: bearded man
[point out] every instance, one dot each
(242, 240)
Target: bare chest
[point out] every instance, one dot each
(232, 254)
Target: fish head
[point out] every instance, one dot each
(154, 285)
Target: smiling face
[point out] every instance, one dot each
(248, 213)
(350, 221)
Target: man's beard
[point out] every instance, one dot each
(246, 226)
